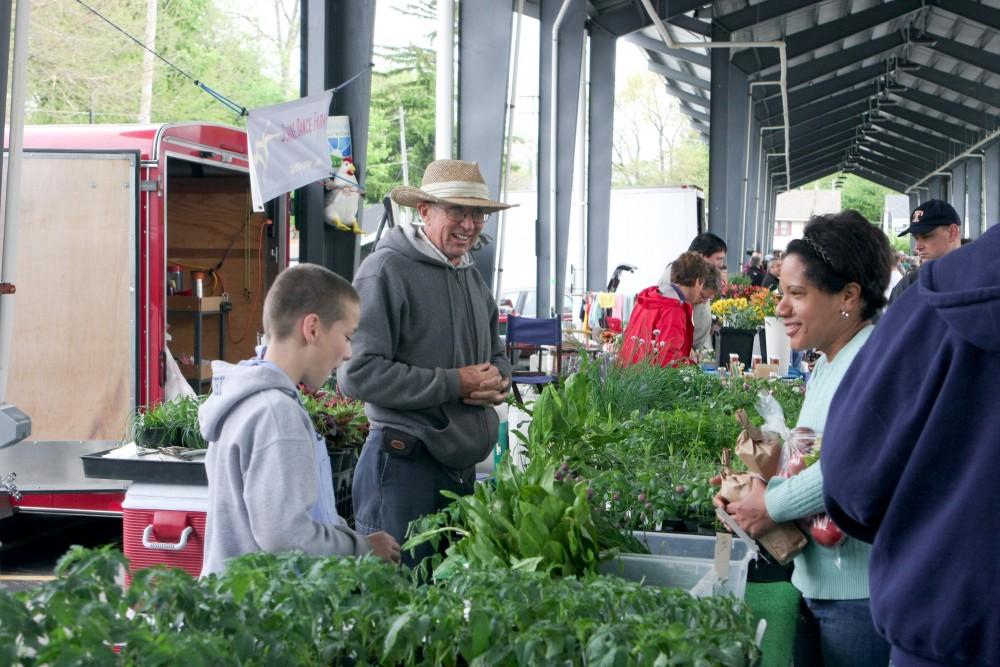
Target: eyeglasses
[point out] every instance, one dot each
(459, 213)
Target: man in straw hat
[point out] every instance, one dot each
(428, 360)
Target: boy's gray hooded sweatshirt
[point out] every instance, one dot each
(422, 318)
(261, 467)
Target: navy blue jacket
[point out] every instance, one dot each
(911, 461)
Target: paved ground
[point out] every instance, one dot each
(31, 544)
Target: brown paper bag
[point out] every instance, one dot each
(785, 541)
(759, 451)
(764, 371)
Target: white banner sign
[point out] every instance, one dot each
(287, 146)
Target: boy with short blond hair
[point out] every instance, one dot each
(270, 484)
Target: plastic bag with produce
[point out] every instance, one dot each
(801, 449)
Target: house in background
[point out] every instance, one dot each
(896, 214)
(794, 209)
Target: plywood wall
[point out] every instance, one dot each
(204, 216)
(71, 358)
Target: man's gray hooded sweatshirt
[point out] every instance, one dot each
(261, 467)
(423, 318)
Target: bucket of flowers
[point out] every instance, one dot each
(741, 317)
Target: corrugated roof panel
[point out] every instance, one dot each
(939, 20)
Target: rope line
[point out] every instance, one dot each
(228, 103)
(219, 97)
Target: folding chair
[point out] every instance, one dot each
(530, 333)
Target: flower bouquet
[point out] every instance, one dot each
(739, 312)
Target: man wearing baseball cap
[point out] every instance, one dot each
(936, 230)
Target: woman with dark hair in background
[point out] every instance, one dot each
(773, 276)
(754, 271)
(833, 280)
(660, 329)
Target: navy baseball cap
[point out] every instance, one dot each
(932, 213)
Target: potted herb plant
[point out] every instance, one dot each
(340, 421)
(169, 424)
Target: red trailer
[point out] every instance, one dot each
(106, 212)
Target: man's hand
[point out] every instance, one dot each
(384, 546)
(479, 378)
(486, 398)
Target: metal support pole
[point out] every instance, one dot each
(561, 51)
(515, 60)
(484, 40)
(11, 214)
(958, 194)
(402, 146)
(991, 184)
(444, 82)
(719, 147)
(599, 146)
(974, 186)
(326, 63)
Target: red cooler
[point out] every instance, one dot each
(164, 524)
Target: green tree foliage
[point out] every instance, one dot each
(82, 70)
(408, 85)
(901, 243)
(404, 79)
(859, 194)
(654, 143)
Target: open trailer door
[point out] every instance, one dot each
(73, 365)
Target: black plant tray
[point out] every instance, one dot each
(145, 470)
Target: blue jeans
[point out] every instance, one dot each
(793, 363)
(390, 491)
(838, 633)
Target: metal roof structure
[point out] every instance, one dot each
(890, 90)
(901, 92)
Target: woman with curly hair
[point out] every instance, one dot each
(833, 281)
(660, 329)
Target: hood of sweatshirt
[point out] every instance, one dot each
(231, 385)
(411, 241)
(964, 288)
(652, 297)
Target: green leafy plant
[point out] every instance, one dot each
(339, 420)
(538, 519)
(293, 609)
(169, 424)
(651, 433)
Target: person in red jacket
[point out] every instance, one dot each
(660, 329)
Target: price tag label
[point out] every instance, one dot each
(723, 552)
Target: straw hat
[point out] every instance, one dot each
(450, 182)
